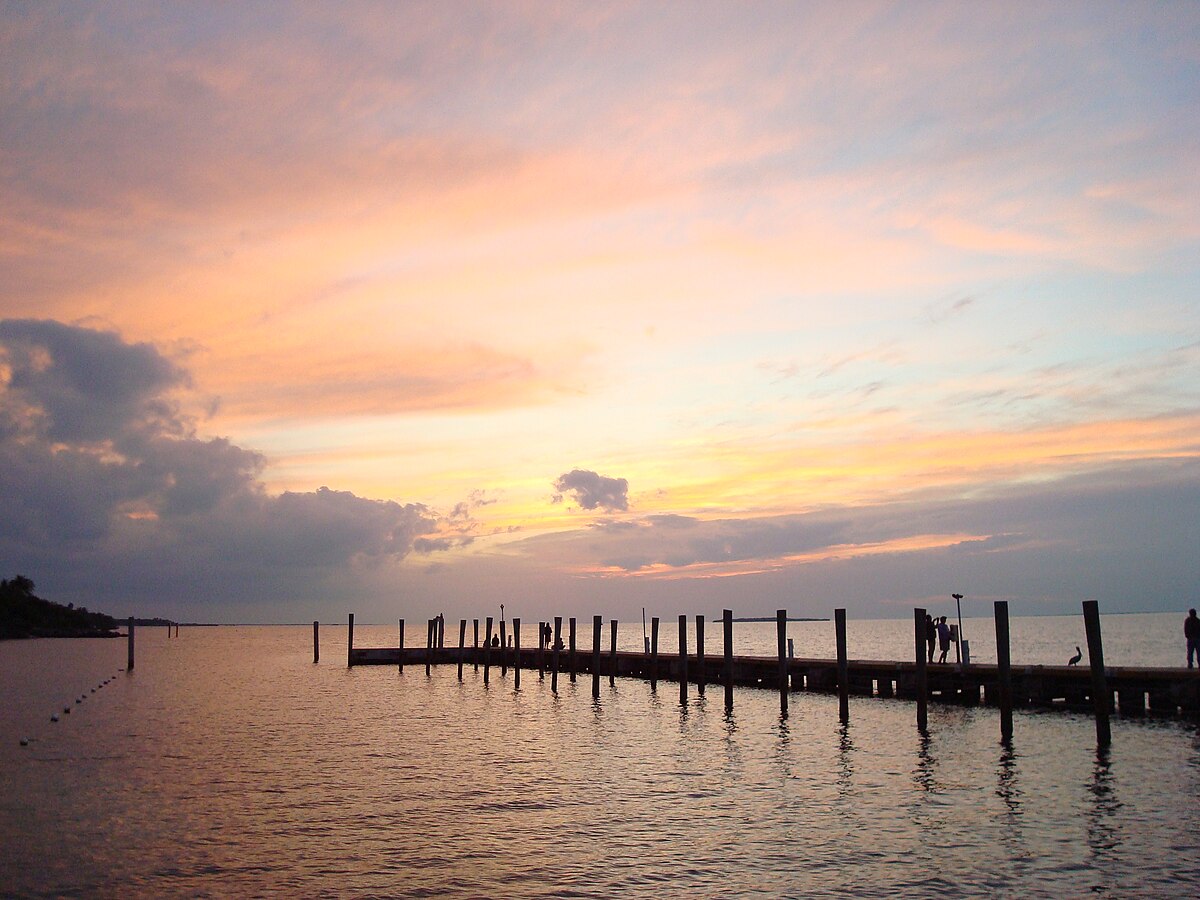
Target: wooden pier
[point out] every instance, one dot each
(1138, 691)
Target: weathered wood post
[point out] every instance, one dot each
(349, 642)
(555, 655)
(400, 662)
(922, 683)
(129, 661)
(1003, 669)
(701, 676)
(516, 654)
(843, 665)
(597, 627)
(462, 645)
(316, 641)
(1101, 695)
(781, 642)
(475, 646)
(430, 639)
(571, 657)
(541, 651)
(727, 663)
(683, 672)
(503, 648)
(487, 650)
(612, 653)
(654, 653)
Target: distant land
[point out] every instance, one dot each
(25, 615)
(772, 619)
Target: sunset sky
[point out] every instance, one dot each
(409, 308)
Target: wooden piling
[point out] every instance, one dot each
(541, 651)
(516, 654)
(129, 661)
(571, 655)
(727, 662)
(316, 641)
(487, 649)
(349, 642)
(462, 645)
(503, 648)
(1101, 695)
(781, 641)
(1003, 669)
(843, 665)
(400, 660)
(597, 627)
(701, 674)
(555, 654)
(922, 685)
(475, 645)
(683, 672)
(430, 639)
(612, 654)
(654, 653)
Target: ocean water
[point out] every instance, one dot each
(229, 765)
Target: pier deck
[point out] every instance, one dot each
(1138, 691)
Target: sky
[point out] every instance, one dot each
(408, 308)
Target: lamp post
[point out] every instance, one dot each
(964, 648)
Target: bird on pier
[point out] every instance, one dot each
(1074, 660)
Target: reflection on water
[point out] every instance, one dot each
(229, 764)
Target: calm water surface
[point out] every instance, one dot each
(228, 764)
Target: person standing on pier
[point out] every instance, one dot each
(930, 634)
(943, 633)
(1191, 631)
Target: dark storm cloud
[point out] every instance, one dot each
(103, 476)
(592, 491)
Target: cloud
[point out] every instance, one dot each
(592, 491)
(101, 470)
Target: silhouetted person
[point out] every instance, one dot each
(930, 634)
(496, 641)
(1191, 631)
(943, 633)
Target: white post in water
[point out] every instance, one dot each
(129, 663)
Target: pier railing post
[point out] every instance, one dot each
(316, 641)
(571, 657)
(441, 632)
(487, 650)
(843, 665)
(516, 654)
(727, 662)
(701, 675)
(1003, 670)
(683, 667)
(349, 642)
(554, 658)
(1101, 695)
(400, 661)
(654, 653)
(612, 653)
(129, 660)
(597, 627)
(781, 642)
(475, 646)
(462, 645)
(921, 679)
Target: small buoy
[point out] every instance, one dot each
(67, 710)
(24, 742)
(54, 718)
(80, 700)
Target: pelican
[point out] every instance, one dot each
(1074, 660)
